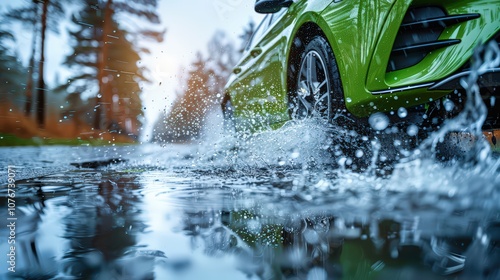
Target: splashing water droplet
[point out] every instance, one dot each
(412, 130)
(397, 143)
(359, 153)
(448, 105)
(311, 236)
(379, 121)
(402, 112)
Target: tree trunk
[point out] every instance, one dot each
(31, 69)
(41, 82)
(103, 99)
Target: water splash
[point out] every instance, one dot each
(471, 119)
(470, 180)
(299, 143)
(378, 121)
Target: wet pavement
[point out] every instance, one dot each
(270, 207)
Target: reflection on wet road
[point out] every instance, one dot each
(203, 219)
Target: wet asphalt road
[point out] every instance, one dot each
(215, 212)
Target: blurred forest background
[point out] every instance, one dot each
(101, 101)
(202, 90)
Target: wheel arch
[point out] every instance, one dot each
(304, 34)
(310, 27)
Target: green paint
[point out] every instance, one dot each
(361, 34)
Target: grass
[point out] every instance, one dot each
(17, 129)
(7, 140)
(495, 150)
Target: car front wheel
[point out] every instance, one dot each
(317, 91)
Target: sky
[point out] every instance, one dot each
(189, 24)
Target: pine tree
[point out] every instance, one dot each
(12, 77)
(29, 17)
(187, 115)
(118, 76)
(144, 9)
(41, 68)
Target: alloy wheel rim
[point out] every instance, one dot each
(313, 88)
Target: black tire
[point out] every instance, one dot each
(316, 88)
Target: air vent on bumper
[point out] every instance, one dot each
(419, 35)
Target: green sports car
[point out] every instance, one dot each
(346, 59)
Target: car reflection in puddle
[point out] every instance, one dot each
(167, 225)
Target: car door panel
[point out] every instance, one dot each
(260, 83)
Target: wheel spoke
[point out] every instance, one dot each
(311, 71)
(316, 90)
(304, 89)
(319, 105)
(322, 97)
(305, 103)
